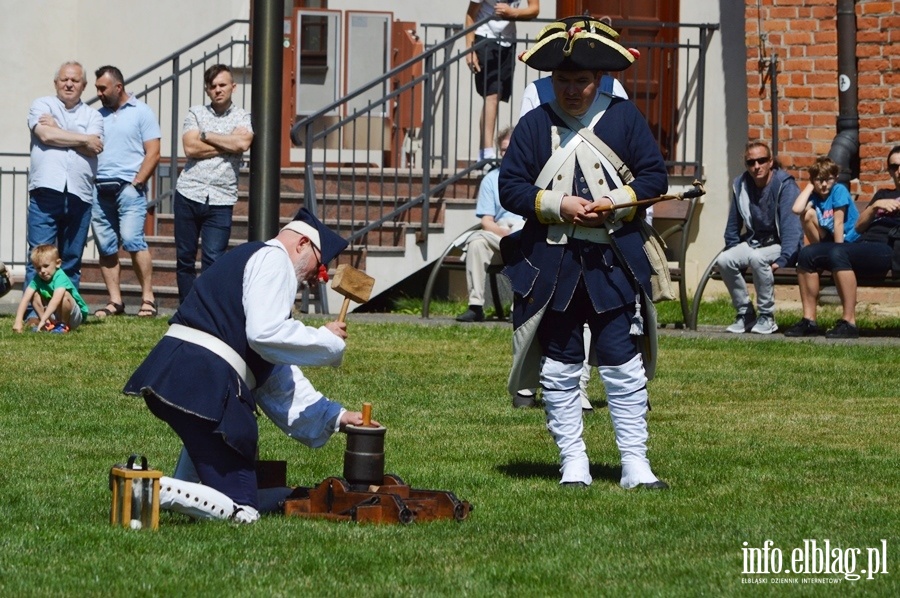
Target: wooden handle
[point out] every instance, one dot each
(344, 309)
(367, 414)
(697, 191)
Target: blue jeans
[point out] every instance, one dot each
(62, 219)
(198, 221)
(119, 217)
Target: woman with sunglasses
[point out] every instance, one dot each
(763, 234)
(871, 255)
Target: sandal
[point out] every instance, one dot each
(148, 312)
(117, 310)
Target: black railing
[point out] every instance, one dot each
(444, 149)
(170, 86)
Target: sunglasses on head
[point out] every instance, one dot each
(754, 161)
(893, 167)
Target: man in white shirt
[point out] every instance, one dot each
(232, 346)
(66, 138)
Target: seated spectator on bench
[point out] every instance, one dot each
(870, 256)
(483, 246)
(762, 233)
(827, 212)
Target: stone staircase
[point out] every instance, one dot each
(390, 253)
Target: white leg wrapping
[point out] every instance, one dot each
(201, 502)
(583, 386)
(626, 390)
(562, 403)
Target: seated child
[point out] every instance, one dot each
(826, 210)
(53, 296)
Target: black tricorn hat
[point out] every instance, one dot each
(329, 243)
(578, 44)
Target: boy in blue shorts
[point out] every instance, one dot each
(826, 210)
(52, 294)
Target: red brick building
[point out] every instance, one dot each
(803, 34)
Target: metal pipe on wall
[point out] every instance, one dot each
(265, 106)
(773, 82)
(845, 146)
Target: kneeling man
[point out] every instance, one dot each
(233, 345)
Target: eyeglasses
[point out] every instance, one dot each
(754, 161)
(823, 179)
(893, 167)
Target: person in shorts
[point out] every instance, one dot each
(51, 293)
(492, 59)
(127, 163)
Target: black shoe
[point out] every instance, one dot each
(657, 485)
(471, 315)
(843, 329)
(524, 400)
(574, 484)
(804, 327)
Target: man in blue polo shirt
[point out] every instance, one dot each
(127, 163)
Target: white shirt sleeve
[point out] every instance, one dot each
(269, 292)
(297, 408)
(530, 99)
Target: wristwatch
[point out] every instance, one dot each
(139, 186)
(202, 135)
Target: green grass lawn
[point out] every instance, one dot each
(780, 441)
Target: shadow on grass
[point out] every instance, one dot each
(527, 469)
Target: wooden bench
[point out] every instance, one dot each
(670, 218)
(783, 276)
(674, 217)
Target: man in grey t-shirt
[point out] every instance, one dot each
(214, 136)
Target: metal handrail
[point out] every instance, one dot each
(173, 108)
(437, 62)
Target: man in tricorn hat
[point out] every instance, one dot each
(569, 157)
(232, 346)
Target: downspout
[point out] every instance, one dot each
(845, 146)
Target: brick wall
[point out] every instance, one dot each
(803, 33)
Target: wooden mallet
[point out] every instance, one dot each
(352, 284)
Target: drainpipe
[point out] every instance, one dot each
(845, 146)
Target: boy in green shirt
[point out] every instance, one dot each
(53, 296)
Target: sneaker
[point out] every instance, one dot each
(743, 322)
(60, 328)
(804, 327)
(473, 314)
(765, 324)
(843, 329)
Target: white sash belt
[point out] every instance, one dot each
(217, 346)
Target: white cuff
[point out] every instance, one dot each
(622, 195)
(547, 206)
